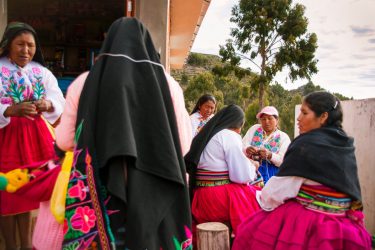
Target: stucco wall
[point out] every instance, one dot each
(154, 14)
(359, 122)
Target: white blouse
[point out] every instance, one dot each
(31, 82)
(277, 158)
(195, 121)
(280, 189)
(224, 153)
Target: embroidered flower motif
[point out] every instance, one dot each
(83, 219)
(256, 138)
(5, 72)
(6, 100)
(78, 191)
(36, 71)
(273, 143)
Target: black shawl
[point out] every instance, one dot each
(128, 115)
(11, 31)
(325, 155)
(231, 116)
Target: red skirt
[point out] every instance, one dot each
(291, 226)
(230, 203)
(23, 142)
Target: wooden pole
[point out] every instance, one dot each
(212, 236)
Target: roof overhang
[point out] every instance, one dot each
(186, 17)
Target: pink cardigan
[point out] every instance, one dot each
(66, 129)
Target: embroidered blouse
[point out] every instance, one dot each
(30, 83)
(197, 122)
(277, 142)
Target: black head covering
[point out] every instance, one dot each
(231, 116)
(12, 30)
(128, 113)
(325, 155)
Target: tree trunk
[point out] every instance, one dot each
(212, 236)
(262, 75)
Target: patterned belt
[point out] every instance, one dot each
(324, 200)
(206, 178)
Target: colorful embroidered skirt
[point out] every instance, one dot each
(23, 142)
(292, 226)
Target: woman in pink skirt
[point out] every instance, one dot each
(314, 202)
(220, 171)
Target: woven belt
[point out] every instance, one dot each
(320, 200)
(205, 178)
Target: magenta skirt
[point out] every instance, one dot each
(230, 203)
(293, 227)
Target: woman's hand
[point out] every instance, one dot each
(251, 151)
(44, 105)
(24, 109)
(265, 154)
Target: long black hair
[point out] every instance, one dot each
(203, 99)
(320, 102)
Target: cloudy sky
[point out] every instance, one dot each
(346, 40)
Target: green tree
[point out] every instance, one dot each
(203, 83)
(272, 35)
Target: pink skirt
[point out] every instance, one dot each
(293, 227)
(23, 142)
(229, 203)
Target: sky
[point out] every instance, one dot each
(346, 43)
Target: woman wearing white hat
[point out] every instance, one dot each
(265, 143)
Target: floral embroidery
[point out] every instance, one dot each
(83, 219)
(5, 71)
(20, 87)
(272, 143)
(36, 71)
(78, 191)
(186, 244)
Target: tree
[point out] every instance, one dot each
(271, 34)
(203, 83)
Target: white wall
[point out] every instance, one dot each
(359, 122)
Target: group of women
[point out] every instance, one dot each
(131, 141)
(312, 196)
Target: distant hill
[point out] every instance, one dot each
(204, 73)
(198, 63)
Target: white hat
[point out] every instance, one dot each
(268, 110)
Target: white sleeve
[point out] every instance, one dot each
(3, 120)
(277, 158)
(277, 190)
(53, 94)
(241, 169)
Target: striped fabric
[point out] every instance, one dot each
(324, 200)
(206, 178)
